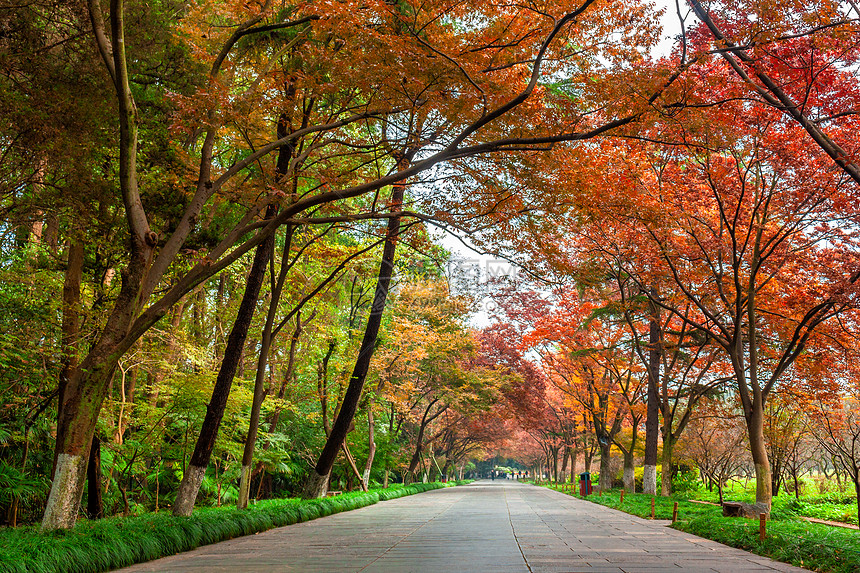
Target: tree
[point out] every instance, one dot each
(473, 124)
(715, 442)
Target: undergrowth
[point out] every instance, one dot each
(94, 546)
(789, 539)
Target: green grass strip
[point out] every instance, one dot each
(105, 544)
(789, 539)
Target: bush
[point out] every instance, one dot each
(685, 481)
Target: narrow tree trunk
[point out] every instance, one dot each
(288, 373)
(318, 476)
(652, 421)
(565, 460)
(193, 477)
(351, 461)
(371, 447)
(259, 382)
(95, 506)
(419, 445)
(666, 467)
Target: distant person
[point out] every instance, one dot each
(493, 476)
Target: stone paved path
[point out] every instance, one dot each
(486, 527)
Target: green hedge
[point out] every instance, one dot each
(94, 546)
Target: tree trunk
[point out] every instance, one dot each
(288, 373)
(371, 447)
(652, 421)
(758, 449)
(629, 472)
(857, 490)
(796, 484)
(260, 379)
(95, 506)
(565, 460)
(70, 324)
(356, 382)
(666, 468)
(193, 477)
(351, 461)
(605, 480)
(85, 389)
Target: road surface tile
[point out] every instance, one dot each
(486, 527)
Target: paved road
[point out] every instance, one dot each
(486, 527)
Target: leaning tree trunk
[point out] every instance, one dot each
(190, 485)
(83, 393)
(318, 479)
(281, 170)
(259, 382)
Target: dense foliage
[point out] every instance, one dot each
(221, 282)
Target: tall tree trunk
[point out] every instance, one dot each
(260, 379)
(86, 387)
(193, 477)
(70, 324)
(316, 484)
(652, 419)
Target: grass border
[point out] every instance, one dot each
(96, 546)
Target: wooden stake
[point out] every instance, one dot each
(675, 512)
(762, 526)
(622, 496)
(653, 499)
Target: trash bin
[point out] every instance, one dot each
(584, 483)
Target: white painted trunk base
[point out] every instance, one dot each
(188, 489)
(61, 511)
(649, 480)
(244, 488)
(316, 486)
(629, 479)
